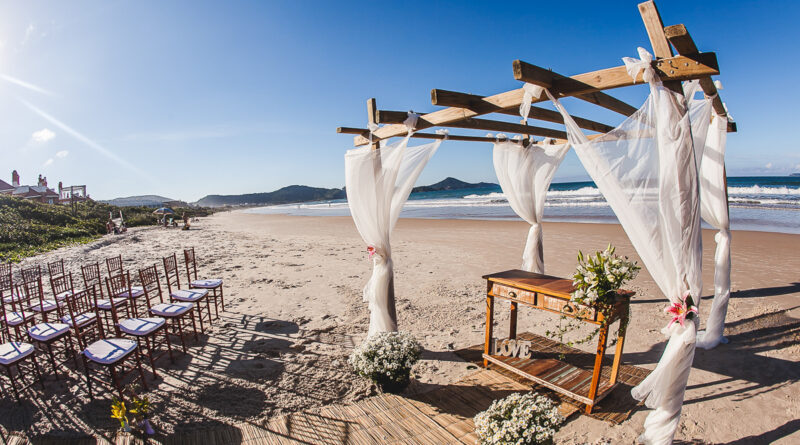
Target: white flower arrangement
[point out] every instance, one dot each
(599, 276)
(386, 358)
(520, 419)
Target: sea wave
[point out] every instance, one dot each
(763, 190)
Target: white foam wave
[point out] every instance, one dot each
(763, 190)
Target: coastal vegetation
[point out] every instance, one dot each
(28, 228)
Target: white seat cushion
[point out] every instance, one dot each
(17, 318)
(63, 295)
(13, 298)
(106, 304)
(82, 319)
(171, 309)
(14, 351)
(141, 326)
(206, 284)
(47, 306)
(136, 292)
(47, 331)
(189, 295)
(109, 350)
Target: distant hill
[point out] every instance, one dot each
(138, 201)
(303, 193)
(795, 174)
(285, 195)
(451, 184)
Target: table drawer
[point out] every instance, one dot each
(524, 296)
(566, 307)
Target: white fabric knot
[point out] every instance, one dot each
(643, 63)
(531, 91)
(445, 132)
(373, 127)
(411, 121)
(718, 84)
(500, 137)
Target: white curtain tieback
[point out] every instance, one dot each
(445, 132)
(531, 91)
(411, 121)
(643, 63)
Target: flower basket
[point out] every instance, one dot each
(522, 419)
(386, 359)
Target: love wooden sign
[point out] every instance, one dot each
(511, 348)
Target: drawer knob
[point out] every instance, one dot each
(568, 309)
(512, 294)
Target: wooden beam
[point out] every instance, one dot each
(452, 137)
(478, 104)
(678, 68)
(397, 117)
(684, 44)
(372, 118)
(658, 40)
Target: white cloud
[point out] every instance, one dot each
(62, 154)
(769, 165)
(48, 162)
(42, 136)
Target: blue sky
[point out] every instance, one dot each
(188, 98)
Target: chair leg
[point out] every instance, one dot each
(88, 379)
(179, 322)
(13, 382)
(200, 316)
(115, 379)
(208, 308)
(150, 355)
(216, 305)
(141, 372)
(52, 359)
(194, 328)
(37, 370)
(169, 343)
(221, 298)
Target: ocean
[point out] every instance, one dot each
(761, 203)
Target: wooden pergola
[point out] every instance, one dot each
(462, 108)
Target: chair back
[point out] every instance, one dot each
(31, 294)
(171, 271)
(6, 280)
(116, 285)
(114, 265)
(56, 268)
(191, 264)
(61, 283)
(91, 277)
(82, 302)
(151, 285)
(31, 273)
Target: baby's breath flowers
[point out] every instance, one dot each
(386, 358)
(519, 419)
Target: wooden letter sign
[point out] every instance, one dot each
(512, 348)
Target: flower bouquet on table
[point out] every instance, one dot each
(596, 282)
(386, 358)
(521, 419)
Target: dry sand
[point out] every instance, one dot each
(294, 312)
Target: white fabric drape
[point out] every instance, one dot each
(646, 170)
(709, 136)
(525, 174)
(378, 183)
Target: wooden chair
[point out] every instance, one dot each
(141, 328)
(38, 303)
(31, 273)
(62, 287)
(18, 359)
(55, 268)
(8, 292)
(111, 353)
(57, 272)
(176, 313)
(212, 284)
(115, 267)
(46, 333)
(195, 296)
(92, 277)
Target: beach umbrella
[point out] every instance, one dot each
(163, 211)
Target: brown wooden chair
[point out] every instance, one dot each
(195, 296)
(18, 359)
(141, 328)
(7, 290)
(92, 277)
(115, 267)
(44, 333)
(38, 303)
(120, 356)
(31, 273)
(55, 268)
(56, 272)
(176, 312)
(212, 284)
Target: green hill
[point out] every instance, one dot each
(28, 228)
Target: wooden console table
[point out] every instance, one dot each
(552, 294)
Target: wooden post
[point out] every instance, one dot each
(598, 365)
(372, 117)
(489, 321)
(655, 31)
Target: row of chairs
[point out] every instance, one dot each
(113, 325)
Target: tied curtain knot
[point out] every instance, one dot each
(411, 121)
(642, 64)
(531, 92)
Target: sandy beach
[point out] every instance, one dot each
(294, 312)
